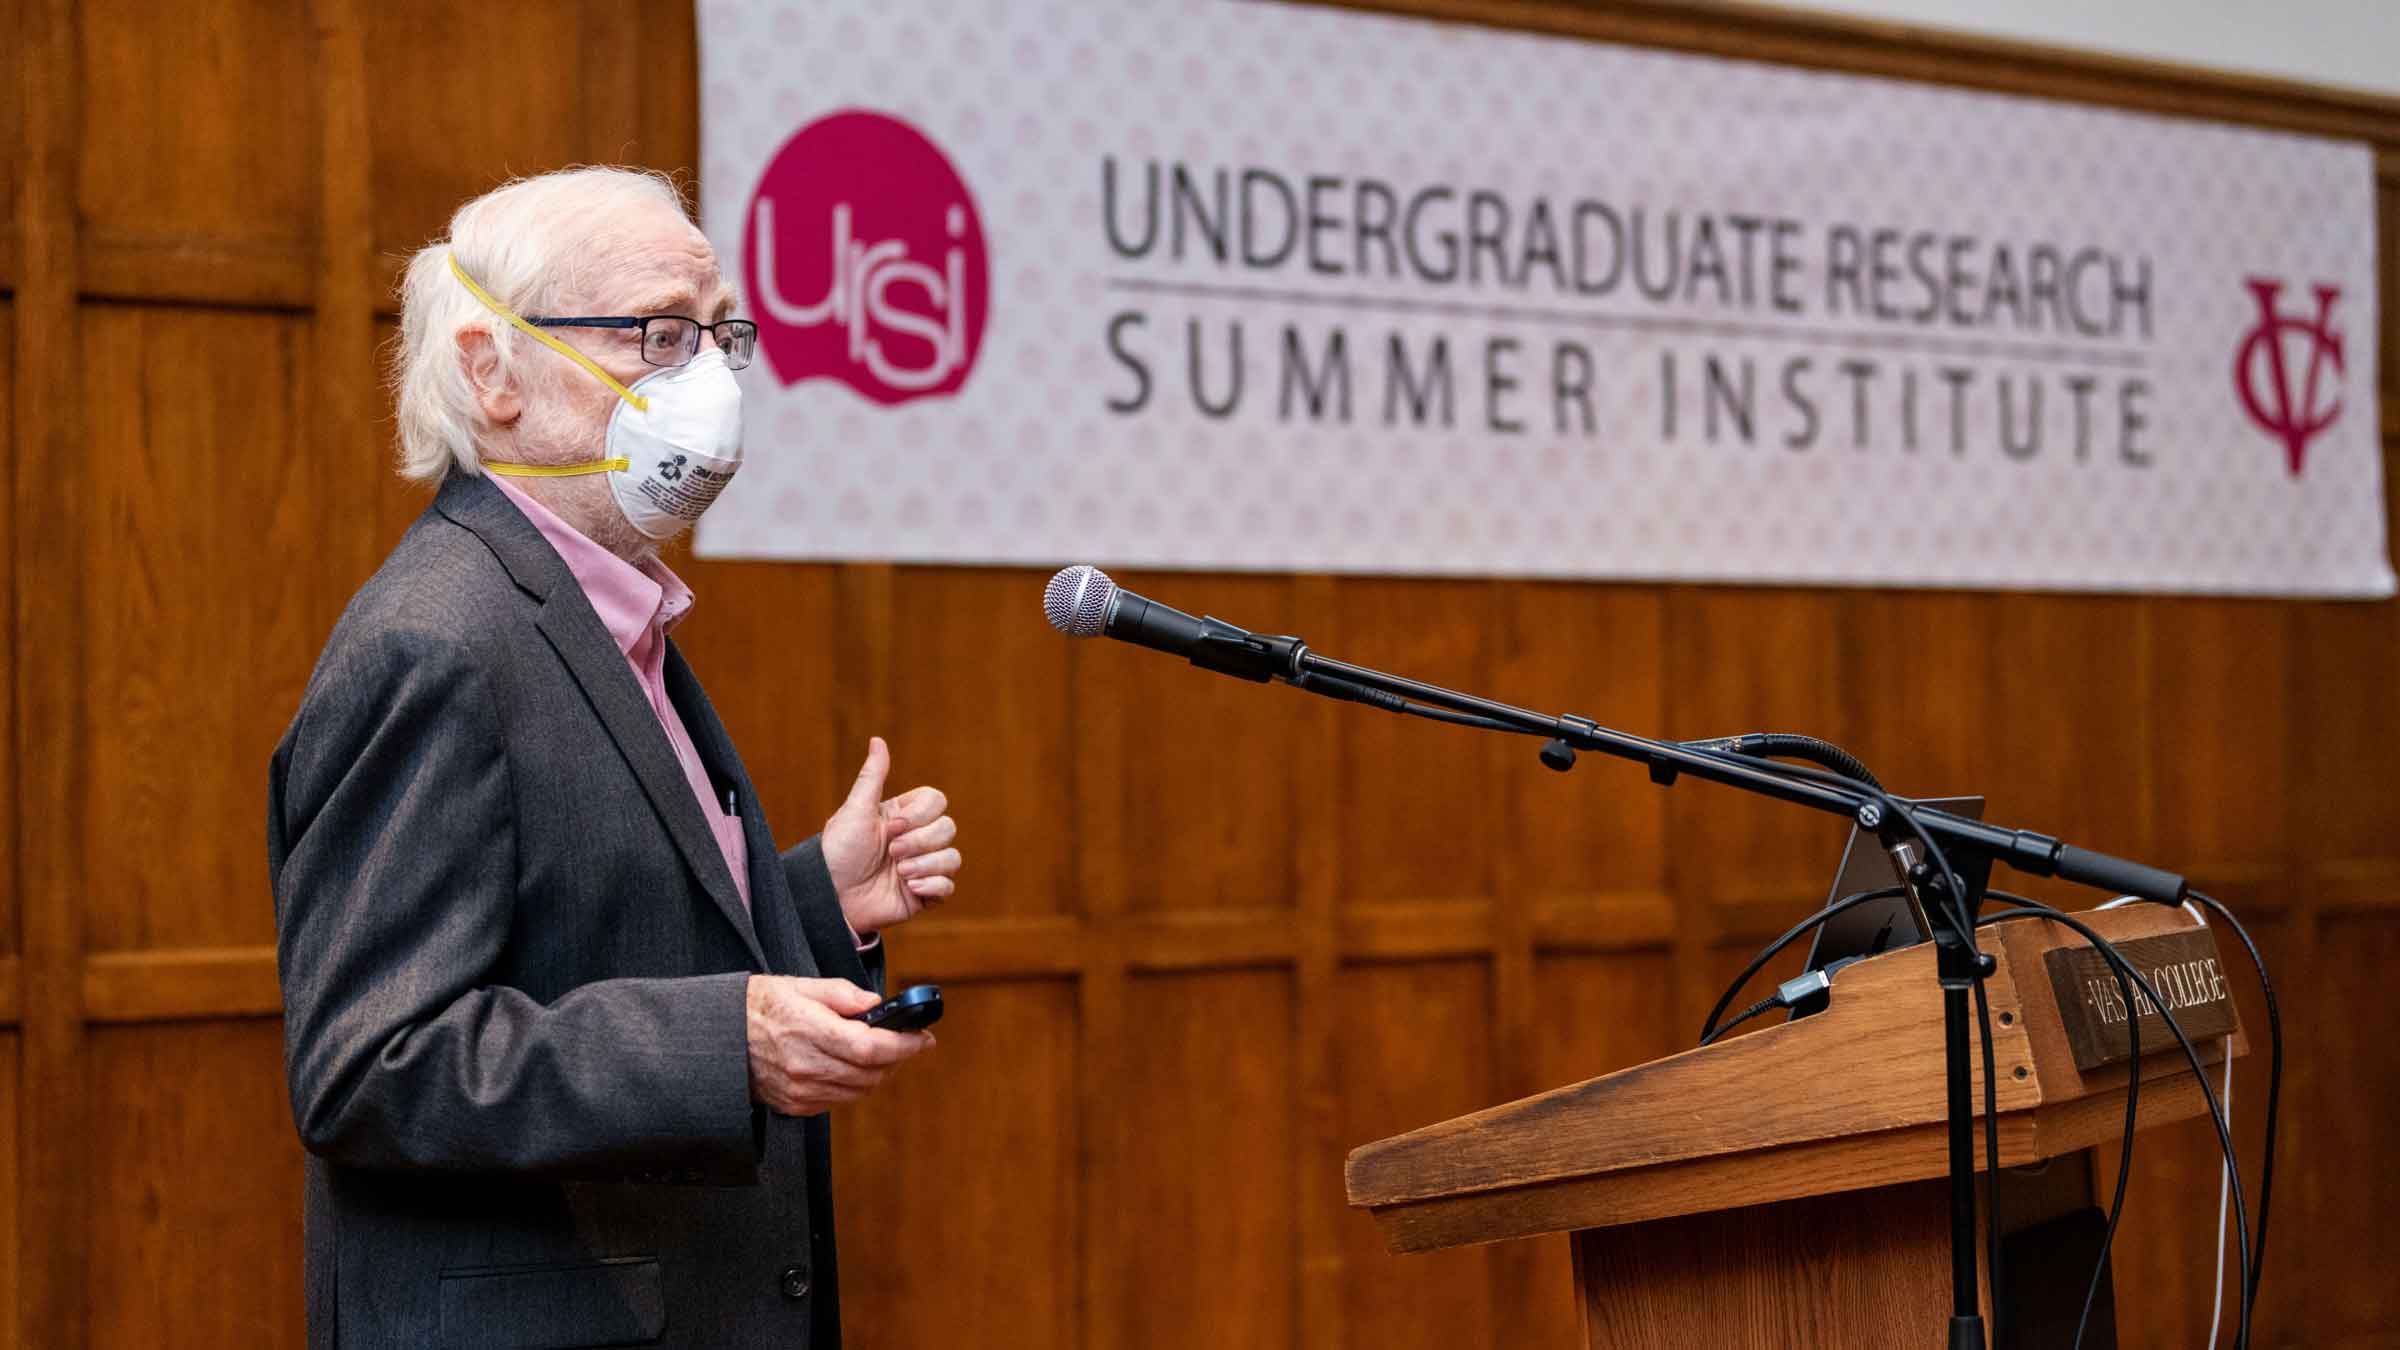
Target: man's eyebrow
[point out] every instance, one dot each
(726, 306)
(677, 301)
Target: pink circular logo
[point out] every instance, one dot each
(865, 261)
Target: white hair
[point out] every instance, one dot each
(533, 243)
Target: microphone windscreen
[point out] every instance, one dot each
(1076, 600)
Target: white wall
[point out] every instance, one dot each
(2353, 43)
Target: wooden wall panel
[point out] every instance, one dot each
(447, 123)
(1410, 790)
(195, 1189)
(46, 519)
(217, 199)
(1206, 791)
(2041, 705)
(1597, 652)
(2069, 743)
(1210, 1131)
(2342, 664)
(8, 633)
(998, 736)
(2221, 674)
(1600, 1013)
(1750, 660)
(972, 1151)
(2351, 1194)
(466, 94)
(12, 141)
(1920, 683)
(1412, 1040)
(207, 488)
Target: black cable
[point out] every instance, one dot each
(2133, 1088)
(1709, 1030)
(1456, 719)
(1765, 1005)
(2246, 1310)
(1956, 911)
(1350, 691)
(1791, 745)
(2266, 1178)
(2216, 1111)
(1991, 1162)
(1850, 772)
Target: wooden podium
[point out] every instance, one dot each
(1786, 1188)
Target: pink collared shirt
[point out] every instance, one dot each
(639, 606)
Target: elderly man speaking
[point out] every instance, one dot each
(561, 1022)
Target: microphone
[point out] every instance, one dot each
(1082, 602)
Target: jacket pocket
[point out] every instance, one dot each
(618, 1301)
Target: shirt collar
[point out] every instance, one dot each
(628, 599)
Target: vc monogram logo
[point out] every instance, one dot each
(2287, 411)
(866, 259)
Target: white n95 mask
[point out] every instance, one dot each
(674, 441)
(671, 456)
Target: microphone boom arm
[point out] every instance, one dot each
(2026, 851)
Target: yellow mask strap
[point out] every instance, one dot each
(640, 404)
(556, 470)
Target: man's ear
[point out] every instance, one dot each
(495, 388)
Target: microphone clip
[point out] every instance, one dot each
(1256, 657)
(1558, 753)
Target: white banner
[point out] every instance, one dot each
(1261, 285)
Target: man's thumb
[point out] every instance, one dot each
(842, 996)
(867, 791)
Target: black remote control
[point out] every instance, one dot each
(912, 1009)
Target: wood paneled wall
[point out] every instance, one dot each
(1212, 935)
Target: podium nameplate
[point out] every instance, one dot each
(2183, 968)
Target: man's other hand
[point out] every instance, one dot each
(807, 1055)
(889, 858)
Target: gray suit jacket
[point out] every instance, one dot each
(514, 968)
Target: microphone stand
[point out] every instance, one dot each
(1968, 848)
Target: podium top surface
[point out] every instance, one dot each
(1851, 1098)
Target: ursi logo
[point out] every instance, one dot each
(2291, 415)
(866, 259)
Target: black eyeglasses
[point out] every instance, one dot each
(672, 340)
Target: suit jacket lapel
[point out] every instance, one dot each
(772, 909)
(567, 620)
